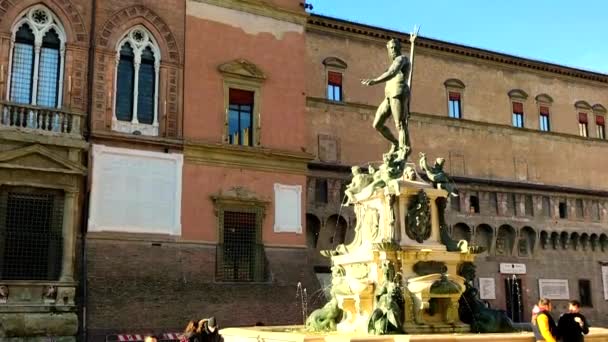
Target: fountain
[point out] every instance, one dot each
(402, 273)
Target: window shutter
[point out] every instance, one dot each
(518, 108)
(454, 96)
(334, 78)
(240, 97)
(582, 117)
(599, 120)
(544, 110)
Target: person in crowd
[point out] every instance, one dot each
(211, 332)
(151, 338)
(543, 324)
(572, 325)
(190, 334)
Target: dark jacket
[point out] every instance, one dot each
(570, 330)
(552, 326)
(211, 336)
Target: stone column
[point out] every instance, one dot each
(69, 236)
(435, 237)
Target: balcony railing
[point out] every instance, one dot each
(40, 119)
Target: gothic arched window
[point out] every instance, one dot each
(37, 59)
(136, 83)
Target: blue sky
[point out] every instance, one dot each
(571, 33)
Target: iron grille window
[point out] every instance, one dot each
(124, 84)
(48, 73)
(31, 241)
(145, 95)
(240, 255)
(23, 65)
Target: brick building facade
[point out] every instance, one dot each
(189, 158)
(522, 139)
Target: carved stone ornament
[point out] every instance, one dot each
(419, 218)
(242, 68)
(49, 294)
(3, 294)
(423, 268)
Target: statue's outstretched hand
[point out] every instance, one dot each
(368, 82)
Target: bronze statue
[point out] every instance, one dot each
(396, 101)
(437, 175)
(388, 317)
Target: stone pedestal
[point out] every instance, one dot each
(428, 273)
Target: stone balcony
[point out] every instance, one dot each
(41, 120)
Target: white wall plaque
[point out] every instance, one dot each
(135, 191)
(506, 268)
(605, 281)
(554, 288)
(287, 208)
(487, 288)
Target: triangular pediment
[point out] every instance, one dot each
(242, 68)
(39, 158)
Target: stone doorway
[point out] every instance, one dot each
(514, 299)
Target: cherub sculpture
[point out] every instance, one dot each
(359, 182)
(437, 175)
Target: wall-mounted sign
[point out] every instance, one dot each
(554, 288)
(487, 288)
(506, 268)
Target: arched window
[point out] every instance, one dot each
(37, 59)
(136, 83)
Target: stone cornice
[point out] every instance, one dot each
(255, 158)
(376, 33)
(260, 8)
(45, 139)
(463, 123)
(131, 139)
(472, 181)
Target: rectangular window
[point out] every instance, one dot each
(544, 119)
(529, 204)
(454, 105)
(512, 204)
(584, 290)
(580, 213)
(518, 115)
(125, 83)
(563, 210)
(493, 203)
(21, 73)
(145, 95)
(474, 204)
(321, 190)
(546, 206)
(334, 86)
(240, 257)
(595, 210)
(240, 117)
(48, 77)
(582, 125)
(455, 204)
(31, 239)
(600, 127)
